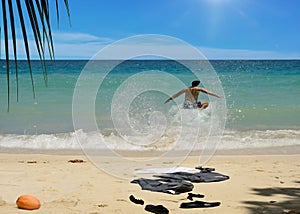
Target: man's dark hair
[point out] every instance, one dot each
(195, 83)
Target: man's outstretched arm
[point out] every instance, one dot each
(209, 92)
(175, 95)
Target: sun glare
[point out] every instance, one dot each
(218, 1)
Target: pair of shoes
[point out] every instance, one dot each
(157, 209)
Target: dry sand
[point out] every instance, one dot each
(257, 184)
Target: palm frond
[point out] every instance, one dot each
(39, 19)
(25, 39)
(37, 35)
(43, 12)
(6, 49)
(13, 32)
(57, 12)
(68, 10)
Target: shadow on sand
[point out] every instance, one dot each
(290, 203)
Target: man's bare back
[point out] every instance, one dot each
(191, 96)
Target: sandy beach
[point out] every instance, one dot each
(100, 97)
(257, 184)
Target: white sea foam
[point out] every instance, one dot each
(98, 140)
(259, 139)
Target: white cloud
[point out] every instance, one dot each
(88, 45)
(77, 51)
(66, 45)
(85, 46)
(78, 38)
(215, 53)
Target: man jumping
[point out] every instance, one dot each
(191, 96)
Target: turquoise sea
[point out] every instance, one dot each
(262, 99)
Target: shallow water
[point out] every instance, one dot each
(261, 98)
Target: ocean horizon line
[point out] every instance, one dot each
(145, 59)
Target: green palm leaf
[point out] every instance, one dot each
(25, 39)
(36, 33)
(6, 49)
(37, 12)
(13, 32)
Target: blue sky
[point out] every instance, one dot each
(221, 29)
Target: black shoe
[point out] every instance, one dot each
(136, 201)
(157, 209)
(192, 195)
(199, 204)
